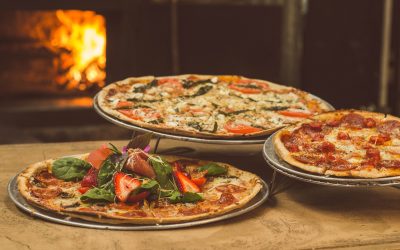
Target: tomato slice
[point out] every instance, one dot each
(293, 113)
(83, 190)
(240, 128)
(249, 86)
(124, 104)
(140, 113)
(170, 84)
(97, 157)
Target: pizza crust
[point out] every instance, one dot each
(23, 182)
(102, 103)
(285, 155)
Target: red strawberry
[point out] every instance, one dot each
(124, 185)
(90, 179)
(184, 183)
(138, 197)
(199, 181)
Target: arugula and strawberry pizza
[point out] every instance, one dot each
(133, 186)
(343, 143)
(222, 106)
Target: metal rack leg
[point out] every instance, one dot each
(156, 146)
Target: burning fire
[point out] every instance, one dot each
(81, 43)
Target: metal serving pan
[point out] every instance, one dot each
(284, 168)
(21, 203)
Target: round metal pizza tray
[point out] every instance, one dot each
(22, 204)
(250, 140)
(284, 168)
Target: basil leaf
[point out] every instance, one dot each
(190, 197)
(174, 196)
(98, 194)
(106, 172)
(149, 185)
(140, 141)
(213, 169)
(110, 166)
(70, 168)
(187, 197)
(163, 171)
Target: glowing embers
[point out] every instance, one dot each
(80, 43)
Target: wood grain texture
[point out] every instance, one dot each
(304, 216)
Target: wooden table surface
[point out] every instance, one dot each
(298, 216)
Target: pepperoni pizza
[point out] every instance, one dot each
(343, 143)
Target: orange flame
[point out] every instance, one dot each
(81, 42)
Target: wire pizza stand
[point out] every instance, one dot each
(280, 166)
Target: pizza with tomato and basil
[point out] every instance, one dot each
(133, 186)
(343, 143)
(207, 106)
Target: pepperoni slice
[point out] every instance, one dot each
(327, 147)
(390, 127)
(226, 199)
(379, 139)
(369, 123)
(46, 193)
(333, 123)
(353, 120)
(373, 155)
(308, 159)
(389, 164)
(343, 136)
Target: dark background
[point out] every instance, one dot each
(339, 57)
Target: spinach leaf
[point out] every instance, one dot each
(163, 171)
(140, 141)
(98, 194)
(213, 169)
(202, 90)
(195, 125)
(70, 168)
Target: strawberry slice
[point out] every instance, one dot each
(199, 181)
(97, 157)
(184, 183)
(124, 185)
(90, 179)
(138, 197)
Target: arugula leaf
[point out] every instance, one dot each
(163, 171)
(140, 141)
(114, 149)
(98, 194)
(213, 169)
(69, 168)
